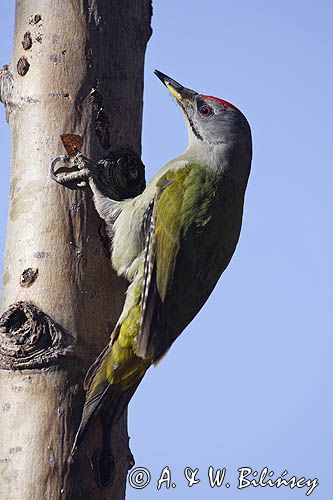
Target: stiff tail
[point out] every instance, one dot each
(97, 388)
(104, 399)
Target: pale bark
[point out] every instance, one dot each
(54, 258)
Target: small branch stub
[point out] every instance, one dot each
(27, 41)
(30, 339)
(35, 19)
(28, 277)
(23, 66)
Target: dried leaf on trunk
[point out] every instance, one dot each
(72, 143)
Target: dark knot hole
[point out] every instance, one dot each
(15, 321)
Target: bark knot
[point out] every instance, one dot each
(30, 339)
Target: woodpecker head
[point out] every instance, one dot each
(210, 120)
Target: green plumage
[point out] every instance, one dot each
(192, 209)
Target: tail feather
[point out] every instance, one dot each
(89, 412)
(104, 398)
(95, 367)
(97, 386)
(102, 358)
(117, 402)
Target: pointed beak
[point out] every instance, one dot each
(182, 95)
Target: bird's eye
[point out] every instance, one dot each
(206, 110)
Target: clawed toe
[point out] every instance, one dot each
(73, 172)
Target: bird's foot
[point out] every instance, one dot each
(73, 172)
(120, 175)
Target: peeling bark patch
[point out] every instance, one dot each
(42, 255)
(28, 277)
(30, 339)
(27, 41)
(23, 66)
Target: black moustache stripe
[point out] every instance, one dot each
(195, 132)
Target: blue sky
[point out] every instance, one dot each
(250, 381)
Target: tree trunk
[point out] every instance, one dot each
(77, 67)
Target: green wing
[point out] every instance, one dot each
(175, 284)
